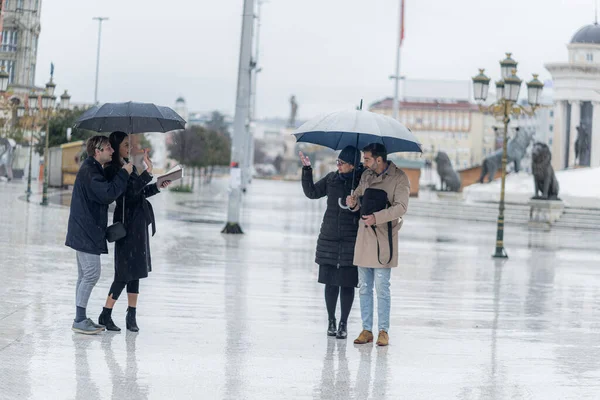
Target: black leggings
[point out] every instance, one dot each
(346, 295)
(117, 288)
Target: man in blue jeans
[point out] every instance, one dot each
(376, 250)
(88, 219)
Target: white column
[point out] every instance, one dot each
(559, 137)
(575, 121)
(595, 136)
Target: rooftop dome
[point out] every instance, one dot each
(588, 34)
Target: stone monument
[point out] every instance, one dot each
(545, 208)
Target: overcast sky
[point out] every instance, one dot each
(329, 53)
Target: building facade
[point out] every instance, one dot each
(20, 30)
(576, 93)
(456, 127)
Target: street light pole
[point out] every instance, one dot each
(100, 20)
(242, 110)
(507, 91)
(30, 161)
(249, 160)
(500, 251)
(397, 77)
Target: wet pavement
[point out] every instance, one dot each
(242, 317)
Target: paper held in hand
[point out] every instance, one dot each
(172, 175)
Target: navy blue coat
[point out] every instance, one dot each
(92, 193)
(337, 238)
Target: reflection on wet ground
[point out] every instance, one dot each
(243, 317)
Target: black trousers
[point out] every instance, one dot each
(117, 288)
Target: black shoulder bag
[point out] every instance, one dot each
(117, 230)
(372, 201)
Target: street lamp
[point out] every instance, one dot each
(31, 111)
(65, 99)
(48, 110)
(507, 93)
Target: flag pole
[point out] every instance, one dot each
(396, 76)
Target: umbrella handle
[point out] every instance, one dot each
(342, 204)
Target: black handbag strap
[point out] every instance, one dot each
(390, 240)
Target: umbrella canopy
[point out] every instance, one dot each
(357, 128)
(130, 117)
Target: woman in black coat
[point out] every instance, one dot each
(335, 246)
(132, 253)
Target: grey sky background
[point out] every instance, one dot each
(329, 53)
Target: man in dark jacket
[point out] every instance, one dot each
(88, 219)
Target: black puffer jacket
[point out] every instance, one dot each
(335, 245)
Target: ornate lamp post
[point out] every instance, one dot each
(28, 119)
(507, 93)
(49, 110)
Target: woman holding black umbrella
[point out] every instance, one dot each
(335, 246)
(132, 252)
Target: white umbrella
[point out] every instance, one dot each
(358, 128)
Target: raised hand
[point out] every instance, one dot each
(304, 159)
(128, 167)
(147, 161)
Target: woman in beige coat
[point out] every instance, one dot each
(372, 250)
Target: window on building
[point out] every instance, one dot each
(6, 4)
(551, 128)
(589, 57)
(552, 113)
(9, 67)
(19, 4)
(32, 75)
(9, 41)
(35, 4)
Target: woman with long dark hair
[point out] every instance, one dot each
(335, 246)
(132, 253)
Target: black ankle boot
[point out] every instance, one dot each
(342, 332)
(130, 320)
(331, 330)
(106, 319)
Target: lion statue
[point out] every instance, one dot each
(516, 148)
(449, 177)
(544, 179)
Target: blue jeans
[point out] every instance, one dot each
(380, 277)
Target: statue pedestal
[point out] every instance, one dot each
(544, 213)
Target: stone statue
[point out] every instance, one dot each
(544, 179)
(294, 111)
(582, 146)
(449, 177)
(6, 157)
(515, 151)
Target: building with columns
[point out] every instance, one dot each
(577, 100)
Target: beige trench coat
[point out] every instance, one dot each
(395, 182)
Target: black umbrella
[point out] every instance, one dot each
(130, 117)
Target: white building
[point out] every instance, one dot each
(577, 98)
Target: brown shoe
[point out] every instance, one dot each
(383, 339)
(364, 337)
